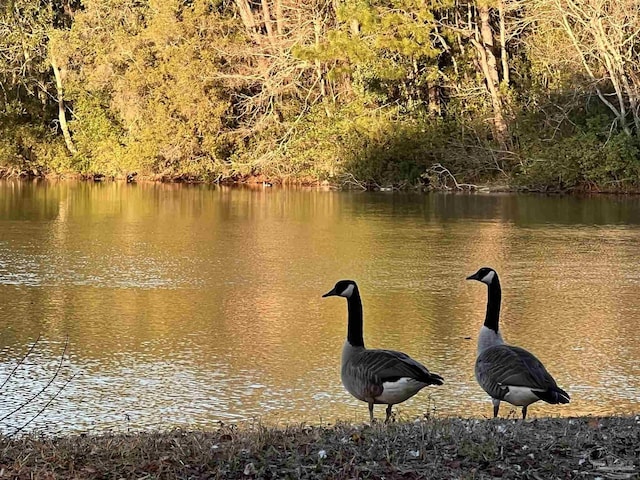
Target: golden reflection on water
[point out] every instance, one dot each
(187, 305)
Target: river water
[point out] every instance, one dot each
(191, 305)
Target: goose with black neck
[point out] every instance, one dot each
(506, 372)
(376, 376)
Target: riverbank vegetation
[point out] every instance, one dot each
(542, 94)
(435, 449)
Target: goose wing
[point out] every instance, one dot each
(390, 366)
(502, 366)
(536, 375)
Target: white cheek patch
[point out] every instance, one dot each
(347, 292)
(488, 278)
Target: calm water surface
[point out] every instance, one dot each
(189, 305)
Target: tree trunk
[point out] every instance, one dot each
(490, 69)
(616, 64)
(268, 22)
(503, 44)
(246, 15)
(61, 110)
(279, 18)
(317, 27)
(434, 99)
(355, 27)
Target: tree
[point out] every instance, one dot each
(388, 51)
(29, 76)
(481, 25)
(603, 36)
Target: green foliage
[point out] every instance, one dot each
(148, 102)
(32, 150)
(23, 43)
(590, 155)
(385, 47)
(380, 147)
(97, 138)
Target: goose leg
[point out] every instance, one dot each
(524, 412)
(388, 413)
(496, 407)
(371, 412)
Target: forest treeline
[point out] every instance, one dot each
(540, 94)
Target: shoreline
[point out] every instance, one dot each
(259, 181)
(540, 448)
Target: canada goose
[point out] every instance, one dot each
(376, 376)
(507, 372)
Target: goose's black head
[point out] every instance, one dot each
(485, 275)
(344, 288)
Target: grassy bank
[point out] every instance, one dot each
(441, 448)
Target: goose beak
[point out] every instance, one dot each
(331, 293)
(473, 277)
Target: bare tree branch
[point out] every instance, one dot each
(46, 405)
(55, 375)
(441, 171)
(20, 362)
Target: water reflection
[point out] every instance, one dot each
(186, 305)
